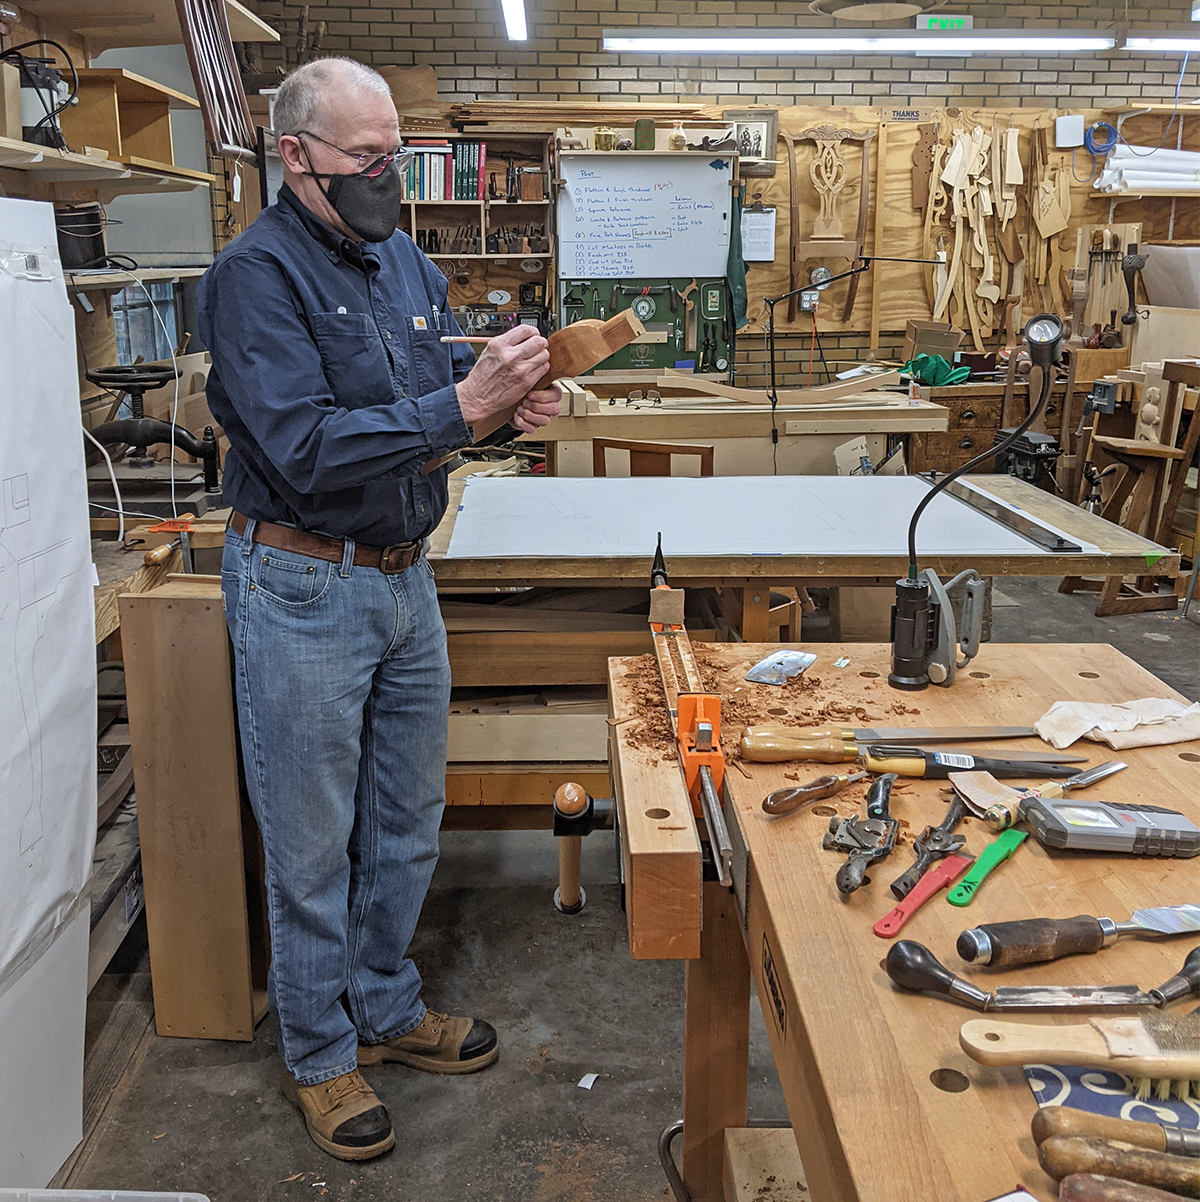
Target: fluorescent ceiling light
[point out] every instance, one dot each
(514, 20)
(1167, 43)
(830, 41)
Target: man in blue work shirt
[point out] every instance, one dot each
(335, 391)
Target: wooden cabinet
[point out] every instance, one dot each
(128, 116)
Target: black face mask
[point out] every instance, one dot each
(370, 206)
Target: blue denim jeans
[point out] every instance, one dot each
(343, 687)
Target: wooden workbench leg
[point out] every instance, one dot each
(716, 1039)
(749, 609)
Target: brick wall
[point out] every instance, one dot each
(464, 41)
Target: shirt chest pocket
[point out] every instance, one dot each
(352, 355)
(430, 361)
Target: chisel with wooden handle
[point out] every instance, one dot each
(1090, 1187)
(1039, 940)
(1051, 1121)
(1063, 1155)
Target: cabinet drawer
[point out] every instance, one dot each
(968, 413)
(944, 452)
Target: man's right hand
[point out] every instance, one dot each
(509, 368)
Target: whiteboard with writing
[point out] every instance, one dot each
(634, 215)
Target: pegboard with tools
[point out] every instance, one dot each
(689, 322)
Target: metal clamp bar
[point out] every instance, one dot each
(718, 832)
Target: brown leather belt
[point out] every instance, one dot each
(389, 560)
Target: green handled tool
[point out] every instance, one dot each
(993, 855)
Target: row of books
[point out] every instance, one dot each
(442, 170)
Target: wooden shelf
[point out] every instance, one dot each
(140, 22)
(136, 89)
(201, 177)
(471, 203)
(114, 281)
(512, 204)
(519, 254)
(1118, 197)
(108, 176)
(1181, 109)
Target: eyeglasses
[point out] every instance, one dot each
(370, 163)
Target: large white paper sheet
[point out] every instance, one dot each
(47, 627)
(720, 515)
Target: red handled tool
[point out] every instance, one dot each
(940, 876)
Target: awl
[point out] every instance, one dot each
(839, 744)
(1038, 940)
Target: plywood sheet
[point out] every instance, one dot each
(732, 515)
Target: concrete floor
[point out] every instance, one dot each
(208, 1117)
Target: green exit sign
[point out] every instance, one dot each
(943, 23)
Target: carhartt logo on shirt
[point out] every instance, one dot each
(420, 323)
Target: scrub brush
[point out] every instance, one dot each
(1161, 1052)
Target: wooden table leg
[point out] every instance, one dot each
(749, 610)
(716, 1040)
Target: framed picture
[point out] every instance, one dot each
(756, 131)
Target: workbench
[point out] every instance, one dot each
(860, 1061)
(1117, 551)
(740, 434)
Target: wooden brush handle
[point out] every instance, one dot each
(1089, 1187)
(1063, 1155)
(1054, 1121)
(992, 1042)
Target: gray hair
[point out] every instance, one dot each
(302, 96)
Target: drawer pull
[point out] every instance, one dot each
(967, 415)
(966, 445)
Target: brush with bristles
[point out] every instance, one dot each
(1160, 1051)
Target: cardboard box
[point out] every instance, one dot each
(931, 338)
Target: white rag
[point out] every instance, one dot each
(1148, 722)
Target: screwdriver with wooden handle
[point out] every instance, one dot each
(1052, 1121)
(1062, 1155)
(1091, 1187)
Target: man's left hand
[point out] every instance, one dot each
(537, 409)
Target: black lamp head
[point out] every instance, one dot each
(1043, 336)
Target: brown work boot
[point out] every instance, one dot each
(343, 1116)
(441, 1044)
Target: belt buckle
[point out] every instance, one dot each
(385, 556)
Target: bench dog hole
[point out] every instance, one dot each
(950, 1080)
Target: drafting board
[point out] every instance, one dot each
(635, 215)
(719, 516)
(47, 630)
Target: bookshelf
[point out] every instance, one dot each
(484, 243)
